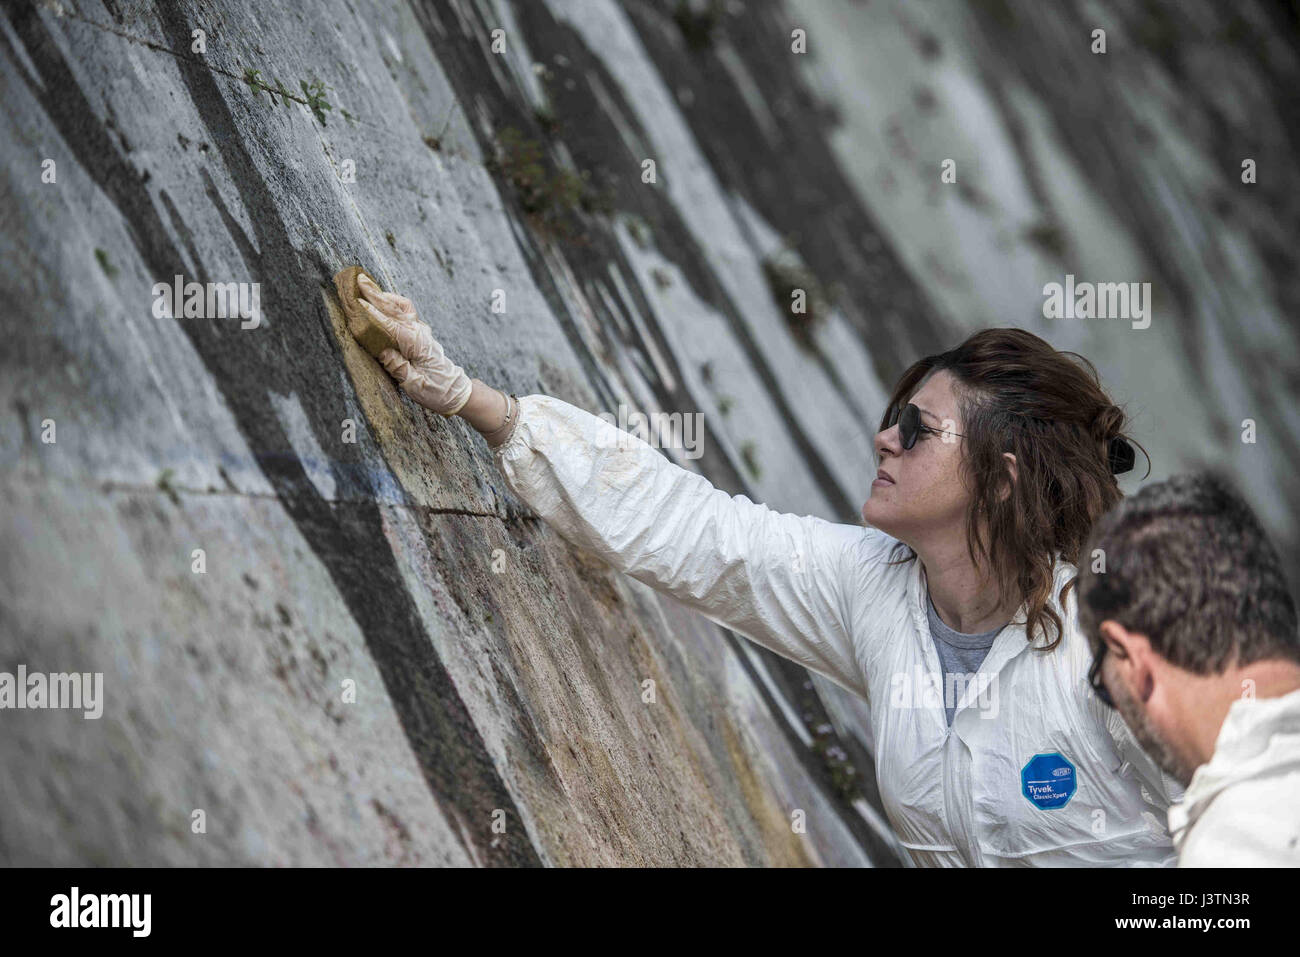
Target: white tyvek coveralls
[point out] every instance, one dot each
(1242, 808)
(822, 594)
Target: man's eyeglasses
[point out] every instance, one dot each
(1094, 676)
(908, 420)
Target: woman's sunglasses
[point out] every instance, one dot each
(1120, 453)
(908, 420)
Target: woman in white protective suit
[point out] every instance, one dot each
(951, 612)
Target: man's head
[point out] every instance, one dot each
(1181, 593)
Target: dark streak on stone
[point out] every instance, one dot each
(348, 538)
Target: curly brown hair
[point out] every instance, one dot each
(1046, 406)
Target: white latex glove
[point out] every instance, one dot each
(419, 365)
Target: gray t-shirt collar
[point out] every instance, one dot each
(958, 639)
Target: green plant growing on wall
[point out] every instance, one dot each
(520, 161)
(786, 274)
(101, 257)
(544, 194)
(255, 83)
(314, 93)
(254, 80)
(280, 90)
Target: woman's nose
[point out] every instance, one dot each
(889, 442)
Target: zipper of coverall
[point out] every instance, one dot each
(953, 750)
(960, 836)
(962, 822)
(1005, 649)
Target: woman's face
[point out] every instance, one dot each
(918, 494)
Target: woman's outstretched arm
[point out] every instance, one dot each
(776, 578)
(490, 411)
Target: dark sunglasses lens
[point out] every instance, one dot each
(909, 425)
(1103, 694)
(1094, 679)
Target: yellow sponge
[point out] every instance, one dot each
(364, 329)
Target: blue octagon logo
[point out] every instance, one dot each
(1048, 781)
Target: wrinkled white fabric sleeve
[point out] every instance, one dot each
(775, 578)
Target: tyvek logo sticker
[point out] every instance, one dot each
(1048, 781)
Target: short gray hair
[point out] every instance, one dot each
(1188, 565)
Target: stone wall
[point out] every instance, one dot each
(323, 621)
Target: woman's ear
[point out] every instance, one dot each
(1012, 472)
